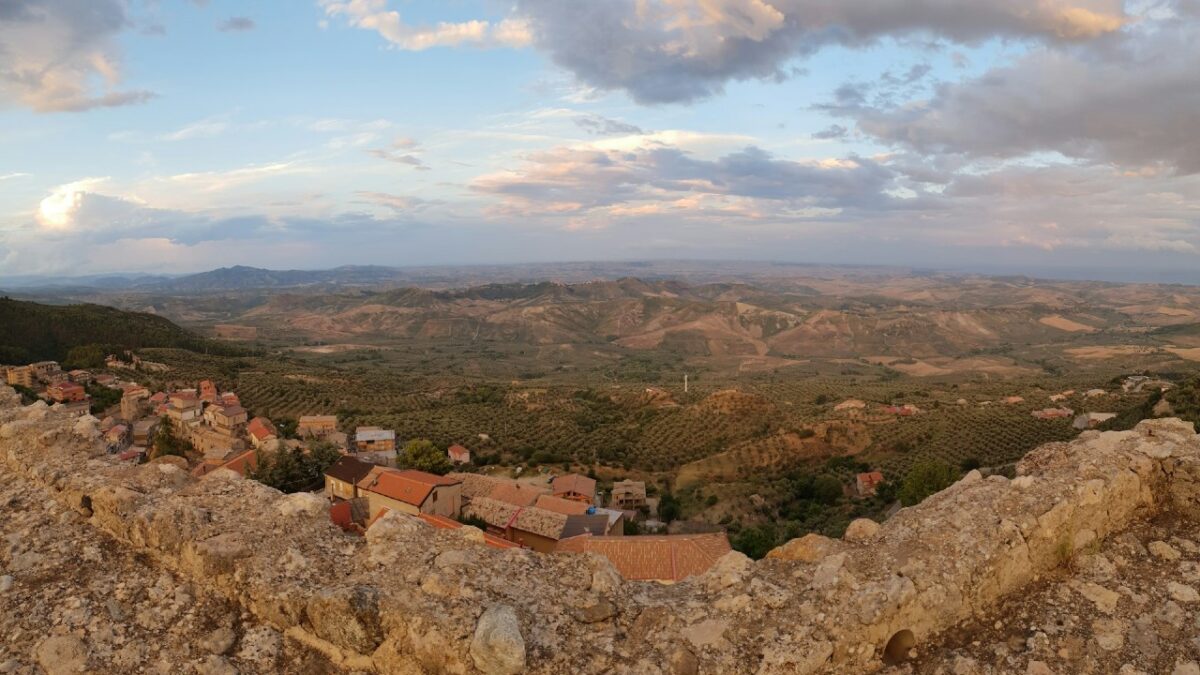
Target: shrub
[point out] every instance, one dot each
(925, 478)
(423, 455)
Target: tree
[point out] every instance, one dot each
(294, 469)
(925, 478)
(167, 443)
(668, 508)
(827, 489)
(423, 455)
(756, 541)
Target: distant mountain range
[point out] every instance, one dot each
(243, 278)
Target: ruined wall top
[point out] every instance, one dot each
(408, 598)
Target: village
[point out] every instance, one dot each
(205, 430)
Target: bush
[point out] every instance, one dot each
(423, 455)
(926, 478)
(827, 489)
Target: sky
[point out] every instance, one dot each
(173, 136)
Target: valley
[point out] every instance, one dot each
(733, 390)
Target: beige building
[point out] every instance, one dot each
(341, 479)
(316, 426)
(411, 492)
(20, 375)
(133, 404)
(628, 495)
(532, 527)
(374, 439)
(227, 419)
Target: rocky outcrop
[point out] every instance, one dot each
(409, 598)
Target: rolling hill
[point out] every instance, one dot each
(31, 332)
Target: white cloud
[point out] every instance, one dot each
(375, 15)
(61, 56)
(59, 210)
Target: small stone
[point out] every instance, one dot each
(218, 642)
(6, 583)
(216, 665)
(1162, 549)
(62, 655)
(1110, 634)
(1038, 668)
(1104, 599)
(683, 662)
(1182, 593)
(498, 647)
(1186, 668)
(595, 613)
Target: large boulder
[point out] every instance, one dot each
(498, 647)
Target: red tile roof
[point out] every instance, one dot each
(458, 453)
(575, 483)
(654, 558)
(411, 487)
(243, 463)
(427, 478)
(261, 428)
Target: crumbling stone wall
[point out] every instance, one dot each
(409, 598)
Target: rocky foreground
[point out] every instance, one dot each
(1087, 562)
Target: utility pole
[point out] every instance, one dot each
(685, 383)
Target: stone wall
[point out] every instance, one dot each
(409, 598)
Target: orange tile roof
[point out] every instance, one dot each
(576, 483)
(427, 478)
(243, 463)
(566, 507)
(458, 453)
(411, 487)
(654, 558)
(261, 428)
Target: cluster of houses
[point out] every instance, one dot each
(565, 515)
(67, 389)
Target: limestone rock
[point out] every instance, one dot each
(347, 617)
(62, 655)
(498, 647)
(861, 530)
(809, 548)
(302, 504)
(1182, 593)
(219, 641)
(1161, 549)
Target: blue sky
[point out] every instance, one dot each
(180, 135)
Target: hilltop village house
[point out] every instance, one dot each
(374, 439)
(411, 492)
(458, 454)
(316, 426)
(628, 495)
(341, 479)
(576, 487)
(866, 484)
